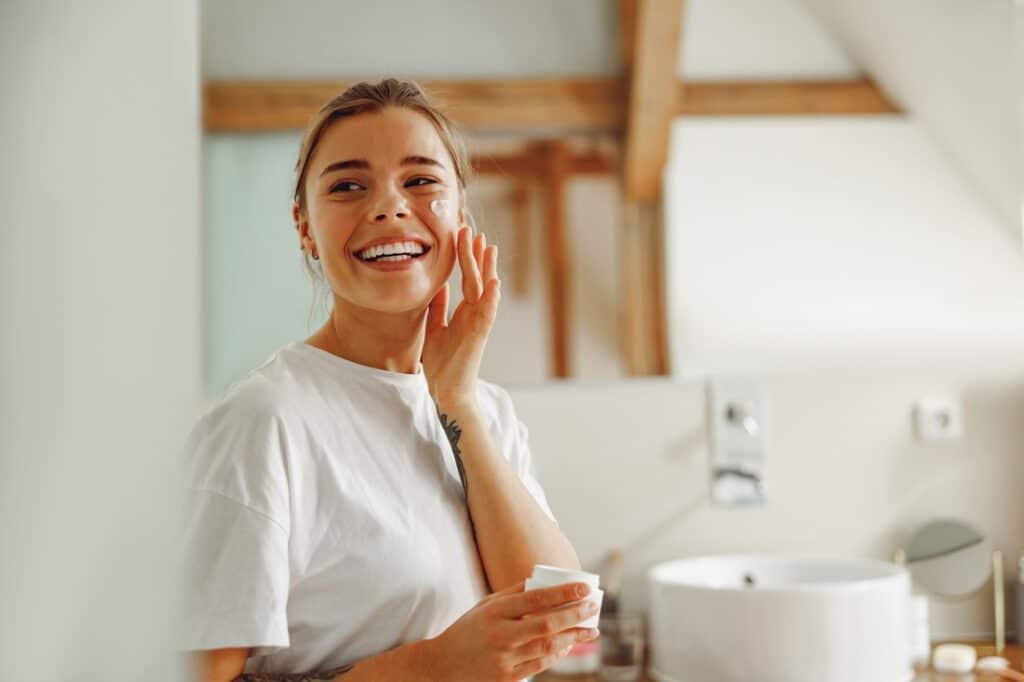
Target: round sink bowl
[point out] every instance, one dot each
(779, 618)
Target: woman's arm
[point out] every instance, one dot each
(512, 532)
(220, 665)
(408, 662)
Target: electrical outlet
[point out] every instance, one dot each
(938, 418)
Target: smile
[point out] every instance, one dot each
(396, 251)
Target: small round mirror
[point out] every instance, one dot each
(949, 558)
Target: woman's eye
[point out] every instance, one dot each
(417, 182)
(346, 187)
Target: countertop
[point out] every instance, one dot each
(1013, 653)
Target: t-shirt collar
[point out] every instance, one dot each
(399, 380)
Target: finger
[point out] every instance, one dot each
(547, 623)
(511, 589)
(490, 263)
(542, 599)
(465, 251)
(489, 300)
(555, 645)
(481, 254)
(437, 311)
(537, 665)
(534, 667)
(479, 243)
(471, 286)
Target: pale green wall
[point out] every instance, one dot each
(256, 293)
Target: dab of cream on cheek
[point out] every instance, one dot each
(440, 207)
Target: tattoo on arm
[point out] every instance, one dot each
(454, 433)
(294, 677)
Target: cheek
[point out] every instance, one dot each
(338, 221)
(440, 213)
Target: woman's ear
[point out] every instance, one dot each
(301, 227)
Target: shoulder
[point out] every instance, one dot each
(240, 446)
(492, 397)
(268, 392)
(496, 404)
(253, 420)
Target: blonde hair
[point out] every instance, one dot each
(367, 97)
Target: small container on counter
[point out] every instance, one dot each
(920, 635)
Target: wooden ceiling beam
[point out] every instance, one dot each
(652, 105)
(627, 31)
(767, 98)
(576, 104)
(530, 164)
(569, 105)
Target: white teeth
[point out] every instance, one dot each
(402, 256)
(393, 248)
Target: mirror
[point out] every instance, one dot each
(949, 558)
(545, 154)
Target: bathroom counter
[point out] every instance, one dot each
(1013, 653)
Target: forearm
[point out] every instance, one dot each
(512, 531)
(407, 662)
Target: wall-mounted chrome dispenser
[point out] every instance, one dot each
(736, 432)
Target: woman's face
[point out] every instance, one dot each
(383, 240)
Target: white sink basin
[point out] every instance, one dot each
(779, 618)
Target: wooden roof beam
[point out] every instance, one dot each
(652, 105)
(569, 105)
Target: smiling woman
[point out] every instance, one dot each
(356, 498)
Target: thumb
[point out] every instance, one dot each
(437, 310)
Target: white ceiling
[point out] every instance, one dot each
(955, 66)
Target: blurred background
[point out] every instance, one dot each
(822, 197)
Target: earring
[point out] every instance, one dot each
(316, 256)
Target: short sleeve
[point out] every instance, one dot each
(236, 577)
(525, 468)
(513, 439)
(236, 530)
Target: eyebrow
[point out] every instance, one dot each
(364, 164)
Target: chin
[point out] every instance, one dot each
(399, 303)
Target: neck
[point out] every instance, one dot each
(389, 341)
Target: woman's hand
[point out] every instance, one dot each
(452, 350)
(512, 634)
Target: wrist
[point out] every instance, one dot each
(425, 660)
(455, 404)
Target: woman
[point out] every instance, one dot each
(357, 497)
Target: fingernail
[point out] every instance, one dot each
(581, 590)
(593, 632)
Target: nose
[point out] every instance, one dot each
(390, 206)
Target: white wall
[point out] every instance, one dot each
(99, 367)
(832, 240)
(759, 39)
(624, 465)
(448, 38)
(529, 38)
(952, 65)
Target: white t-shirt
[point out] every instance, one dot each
(326, 520)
